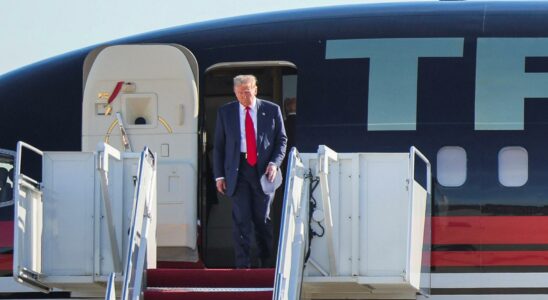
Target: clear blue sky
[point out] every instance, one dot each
(34, 30)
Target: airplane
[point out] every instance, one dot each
(463, 82)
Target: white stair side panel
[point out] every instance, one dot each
(68, 178)
(383, 211)
(343, 219)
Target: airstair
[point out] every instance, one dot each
(355, 226)
(86, 219)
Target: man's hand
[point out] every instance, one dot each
(271, 171)
(221, 186)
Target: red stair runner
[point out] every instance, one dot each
(210, 284)
(167, 295)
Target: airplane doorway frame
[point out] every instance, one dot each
(203, 156)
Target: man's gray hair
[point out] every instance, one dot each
(242, 79)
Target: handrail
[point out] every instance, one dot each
(324, 155)
(7, 152)
(7, 203)
(414, 152)
(141, 219)
(123, 133)
(111, 287)
(286, 212)
(285, 286)
(105, 151)
(28, 179)
(20, 146)
(24, 274)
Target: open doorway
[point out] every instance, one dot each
(277, 82)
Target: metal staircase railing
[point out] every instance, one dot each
(378, 191)
(27, 197)
(135, 261)
(294, 232)
(419, 203)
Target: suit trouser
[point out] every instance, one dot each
(249, 205)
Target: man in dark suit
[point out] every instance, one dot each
(250, 141)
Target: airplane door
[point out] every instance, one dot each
(147, 95)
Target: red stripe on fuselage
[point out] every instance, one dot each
(6, 263)
(6, 234)
(453, 230)
(489, 258)
(481, 230)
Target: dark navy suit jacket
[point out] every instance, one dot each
(271, 140)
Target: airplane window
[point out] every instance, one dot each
(513, 166)
(451, 166)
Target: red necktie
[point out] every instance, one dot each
(251, 143)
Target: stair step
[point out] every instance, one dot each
(226, 278)
(185, 295)
(208, 289)
(180, 265)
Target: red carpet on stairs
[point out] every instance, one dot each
(211, 278)
(211, 284)
(207, 296)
